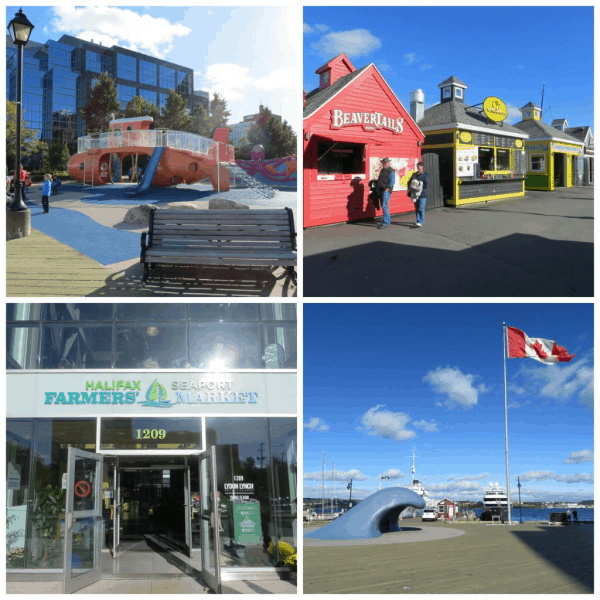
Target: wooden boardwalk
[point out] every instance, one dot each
(40, 266)
(522, 559)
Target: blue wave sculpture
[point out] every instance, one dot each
(372, 517)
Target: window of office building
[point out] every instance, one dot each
(183, 82)
(126, 67)
(147, 72)
(93, 62)
(148, 95)
(125, 93)
(162, 100)
(167, 77)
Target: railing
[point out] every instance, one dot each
(179, 140)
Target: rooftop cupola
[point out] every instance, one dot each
(453, 89)
(531, 112)
(331, 71)
(560, 124)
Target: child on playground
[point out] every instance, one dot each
(46, 191)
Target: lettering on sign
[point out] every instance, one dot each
(494, 108)
(368, 121)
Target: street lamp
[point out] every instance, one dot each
(20, 29)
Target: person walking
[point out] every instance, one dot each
(575, 517)
(421, 201)
(46, 191)
(385, 184)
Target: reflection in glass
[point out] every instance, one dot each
(278, 312)
(84, 490)
(225, 346)
(153, 312)
(23, 312)
(77, 347)
(19, 435)
(280, 347)
(83, 557)
(151, 347)
(151, 434)
(78, 312)
(224, 312)
(22, 346)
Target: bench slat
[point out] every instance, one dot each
(242, 262)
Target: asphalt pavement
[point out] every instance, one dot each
(537, 246)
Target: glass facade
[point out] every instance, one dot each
(256, 456)
(58, 75)
(151, 336)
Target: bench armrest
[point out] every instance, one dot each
(146, 240)
(293, 235)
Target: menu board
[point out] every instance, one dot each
(467, 161)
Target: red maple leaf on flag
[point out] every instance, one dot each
(563, 355)
(539, 349)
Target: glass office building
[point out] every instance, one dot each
(58, 75)
(141, 428)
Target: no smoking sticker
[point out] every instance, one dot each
(82, 489)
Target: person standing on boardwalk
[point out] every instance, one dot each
(23, 178)
(421, 201)
(568, 514)
(46, 191)
(385, 184)
(575, 517)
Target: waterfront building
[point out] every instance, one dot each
(352, 120)
(479, 156)
(145, 427)
(554, 157)
(58, 77)
(585, 171)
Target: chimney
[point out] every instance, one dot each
(417, 105)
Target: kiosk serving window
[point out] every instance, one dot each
(502, 160)
(340, 157)
(538, 163)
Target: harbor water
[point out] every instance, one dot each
(543, 514)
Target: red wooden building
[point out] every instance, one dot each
(352, 121)
(446, 509)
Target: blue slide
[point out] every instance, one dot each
(149, 173)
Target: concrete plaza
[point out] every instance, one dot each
(540, 245)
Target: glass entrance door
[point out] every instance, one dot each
(189, 510)
(209, 520)
(83, 526)
(116, 510)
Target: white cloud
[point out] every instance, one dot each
(317, 424)
(386, 424)
(562, 381)
(426, 425)
(517, 405)
(410, 59)
(355, 42)
(346, 476)
(315, 491)
(425, 67)
(143, 33)
(322, 28)
(457, 389)
(473, 477)
(513, 114)
(393, 474)
(546, 475)
(277, 79)
(307, 29)
(579, 456)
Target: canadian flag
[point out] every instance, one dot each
(520, 345)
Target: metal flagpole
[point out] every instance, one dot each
(332, 486)
(520, 503)
(506, 427)
(323, 485)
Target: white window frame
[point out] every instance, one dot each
(531, 157)
(458, 92)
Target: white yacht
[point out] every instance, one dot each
(419, 488)
(495, 500)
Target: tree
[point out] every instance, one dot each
(140, 107)
(102, 104)
(175, 114)
(30, 145)
(56, 158)
(201, 122)
(277, 137)
(218, 112)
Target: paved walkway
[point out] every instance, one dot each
(83, 248)
(537, 246)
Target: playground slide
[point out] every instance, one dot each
(149, 173)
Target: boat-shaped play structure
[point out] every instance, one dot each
(174, 156)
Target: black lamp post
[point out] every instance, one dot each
(20, 29)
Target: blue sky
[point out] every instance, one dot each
(380, 379)
(506, 52)
(247, 54)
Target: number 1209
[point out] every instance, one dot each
(150, 434)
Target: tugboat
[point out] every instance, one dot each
(175, 156)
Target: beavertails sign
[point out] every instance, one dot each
(369, 121)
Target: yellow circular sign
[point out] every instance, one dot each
(465, 137)
(494, 108)
(519, 144)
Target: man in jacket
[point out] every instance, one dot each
(23, 178)
(385, 184)
(422, 199)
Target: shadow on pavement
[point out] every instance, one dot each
(569, 549)
(515, 265)
(205, 281)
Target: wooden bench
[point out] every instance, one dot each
(232, 238)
